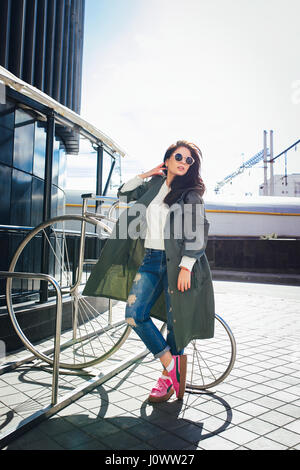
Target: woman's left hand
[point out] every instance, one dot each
(184, 280)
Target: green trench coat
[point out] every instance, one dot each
(112, 277)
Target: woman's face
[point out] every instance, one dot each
(175, 167)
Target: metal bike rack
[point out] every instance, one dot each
(46, 277)
(56, 404)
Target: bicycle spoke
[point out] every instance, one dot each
(91, 323)
(55, 255)
(212, 359)
(104, 331)
(92, 339)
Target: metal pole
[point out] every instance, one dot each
(99, 175)
(56, 357)
(46, 279)
(47, 202)
(109, 177)
(272, 188)
(265, 191)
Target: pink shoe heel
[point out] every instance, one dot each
(178, 375)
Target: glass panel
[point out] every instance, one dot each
(6, 145)
(7, 116)
(54, 201)
(61, 202)
(7, 122)
(55, 166)
(39, 150)
(5, 185)
(62, 169)
(24, 139)
(23, 118)
(37, 201)
(20, 198)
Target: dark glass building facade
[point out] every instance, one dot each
(41, 42)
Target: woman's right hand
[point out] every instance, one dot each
(157, 170)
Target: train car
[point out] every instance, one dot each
(249, 216)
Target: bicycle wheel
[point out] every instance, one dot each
(89, 334)
(211, 360)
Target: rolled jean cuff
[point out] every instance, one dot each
(161, 353)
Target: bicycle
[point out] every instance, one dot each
(89, 336)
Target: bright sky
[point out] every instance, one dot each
(213, 72)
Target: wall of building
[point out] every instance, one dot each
(22, 169)
(41, 42)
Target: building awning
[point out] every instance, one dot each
(63, 115)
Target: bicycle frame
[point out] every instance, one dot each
(81, 262)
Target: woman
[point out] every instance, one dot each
(172, 279)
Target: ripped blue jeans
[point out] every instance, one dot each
(151, 278)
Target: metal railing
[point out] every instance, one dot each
(47, 278)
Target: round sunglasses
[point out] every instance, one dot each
(188, 160)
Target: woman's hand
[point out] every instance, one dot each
(184, 280)
(157, 170)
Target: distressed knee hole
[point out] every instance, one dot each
(131, 299)
(130, 321)
(137, 277)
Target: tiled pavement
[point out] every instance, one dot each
(256, 407)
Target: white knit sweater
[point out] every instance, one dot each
(156, 215)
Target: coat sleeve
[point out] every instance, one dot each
(136, 193)
(195, 226)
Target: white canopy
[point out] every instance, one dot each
(34, 93)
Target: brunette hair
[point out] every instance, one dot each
(191, 179)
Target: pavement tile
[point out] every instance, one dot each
(125, 421)
(92, 444)
(53, 426)
(213, 424)
(256, 407)
(145, 431)
(43, 444)
(217, 442)
(130, 404)
(258, 426)
(251, 409)
(211, 407)
(262, 443)
(293, 426)
(284, 396)
(100, 428)
(239, 435)
(190, 432)
(121, 440)
(71, 439)
(279, 385)
(82, 419)
(193, 415)
(262, 389)
(277, 418)
(284, 436)
(239, 417)
(72, 409)
(290, 409)
(142, 446)
(268, 402)
(167, 441)
(247, 395)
